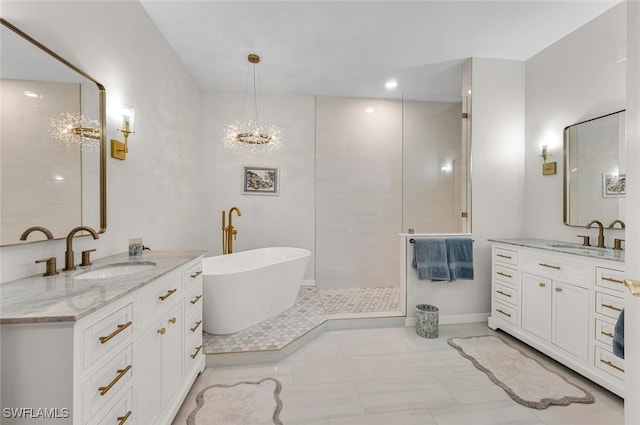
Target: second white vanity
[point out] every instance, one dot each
(562, 299)
(119, 342)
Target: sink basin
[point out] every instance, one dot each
(115, 270)
(577, 247)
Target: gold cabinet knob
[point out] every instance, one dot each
(161, 331)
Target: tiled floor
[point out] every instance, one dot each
(391, 376)
(360, 300)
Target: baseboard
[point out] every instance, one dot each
(453, 319)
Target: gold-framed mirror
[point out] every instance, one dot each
(594, 170)
(52, 142)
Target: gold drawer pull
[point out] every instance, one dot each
(504, 293)
(608, 363)
(162, 331)
(168, 294)
(609, 334)
(558, 289)
(196, 299)
(504, 274)
(542, 284)
(500, 311)
(121, 373)
(504, 256)
(549, 265)
(198, 348)
(124, 418)
(120, 328)
(173, 320)
(198, 323)
(610, 279)
(196, 274)
(612, 307)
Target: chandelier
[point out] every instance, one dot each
(252, 136)
(75, 130)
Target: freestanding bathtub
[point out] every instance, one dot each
(245, 288)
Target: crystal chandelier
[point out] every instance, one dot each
(252, 136)
(75, 130)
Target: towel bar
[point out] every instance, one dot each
(412, 240)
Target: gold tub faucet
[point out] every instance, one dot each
(228, 232)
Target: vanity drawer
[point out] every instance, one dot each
(604, 332)
(160, 294)
(506, 294)
(106, 333)
(559, 267)
(503, 312)
(609, 362)
(107, 381)
(193, 342)
(610, 279)
(193, 275)
(193, 301)
(505, 256)
(121, 412)
(506, 275)
(609, 305)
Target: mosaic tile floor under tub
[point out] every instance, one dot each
(274, 333)
(360, 300)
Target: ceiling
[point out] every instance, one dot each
(350, 48)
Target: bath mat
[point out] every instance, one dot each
(525, 379)
(243, 403)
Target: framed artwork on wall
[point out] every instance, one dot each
(614, 185)
(258, 180)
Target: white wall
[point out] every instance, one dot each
(154, 193)
(577, 78)
(284, 220)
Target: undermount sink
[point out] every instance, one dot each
(575, 246)
(115, 270)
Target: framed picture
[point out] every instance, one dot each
(614, 185)
(260, 180)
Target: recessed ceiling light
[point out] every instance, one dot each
(370, 109)
(391, 84)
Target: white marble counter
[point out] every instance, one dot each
(61, 298)
(567, 248)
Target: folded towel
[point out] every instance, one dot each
(618, 336)
(430, 258)
(460, 258)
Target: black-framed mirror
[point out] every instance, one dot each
(52, 142)
(594, 170)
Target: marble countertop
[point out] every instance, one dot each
(61, 298)
(567, 247)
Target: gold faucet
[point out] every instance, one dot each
(614, 222)
(228, 232)
(68, 255)
(44, 230)
(600, 232)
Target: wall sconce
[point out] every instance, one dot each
(119, 149)
(548, 168)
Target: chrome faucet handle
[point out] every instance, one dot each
(51, 266)
(86, 257)
(585, 240)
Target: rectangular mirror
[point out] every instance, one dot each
(594, 170)
(52, 142)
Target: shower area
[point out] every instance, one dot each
(383, 167)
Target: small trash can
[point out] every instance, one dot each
(427, 317)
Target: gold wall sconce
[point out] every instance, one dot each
(120, 149)
(548, 168)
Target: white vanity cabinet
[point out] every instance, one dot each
(562, 304)
(123, 363)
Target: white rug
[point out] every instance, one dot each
(244, 403)
(525, 380)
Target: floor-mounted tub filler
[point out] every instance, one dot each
(245, 288)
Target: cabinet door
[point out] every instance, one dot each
(148, 373)
(172, 350)
(571, 318)
(536, 305)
